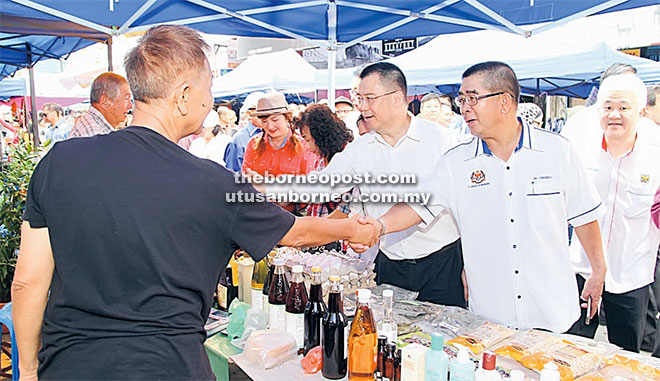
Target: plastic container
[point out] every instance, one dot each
(550, 372)
(462, 368)
(437, 361)
(487, 370)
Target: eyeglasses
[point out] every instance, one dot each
(473, 99)
(359, 99)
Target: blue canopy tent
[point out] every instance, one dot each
(24, 41)
(12, 87)
(331, 24)
(543, 65)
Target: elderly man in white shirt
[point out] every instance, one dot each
(421, 258)
(512, 189)
(626, 171)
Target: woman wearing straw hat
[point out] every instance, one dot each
(277, 151)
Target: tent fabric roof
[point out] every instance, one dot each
(12, 87)
(25, 41)
(282, 71)
(308, 19)
(569, 67)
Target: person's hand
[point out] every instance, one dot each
(366, 231)
(255, 179)
(593, 287)
(466, 294)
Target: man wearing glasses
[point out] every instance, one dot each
(59, 127)
(512, 190)
(398, 143)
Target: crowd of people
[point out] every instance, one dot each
(127, 230)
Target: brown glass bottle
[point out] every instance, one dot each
(362, 341)
(277, 293)
(380, 362)
(314, 312)
(271, 269)
(296, 300)
(226, 292)
(333, 337)
(397, 366)
(388, 373)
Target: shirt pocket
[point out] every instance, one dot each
(641, 200)
(544, 198)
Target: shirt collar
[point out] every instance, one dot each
(413, 130)
(524, 141)
(97, 114)
(252, 129)
(603, 145)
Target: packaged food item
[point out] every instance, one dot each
(483, 337)
(640, 364)
(313, 361)
(572, 361)
(270, 348)
(526, 343)
(616, 373)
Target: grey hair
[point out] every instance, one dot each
(108, 84)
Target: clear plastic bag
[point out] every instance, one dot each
(255, 320)
(270, 348)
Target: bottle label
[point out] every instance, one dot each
(257, 299)
(264, 303)
(295, 325)
(276, 319)
(222, 296)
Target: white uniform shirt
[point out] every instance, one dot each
(630, 239)
(512, 217)
(417, 153)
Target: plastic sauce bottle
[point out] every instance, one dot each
(296, 300)
(437, 361)
(277, 293)
(487, 370)
(333, 338)
(314, 312)
(462, 368)
(387, 326)
(362, 341)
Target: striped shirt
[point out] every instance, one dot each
(90, 124)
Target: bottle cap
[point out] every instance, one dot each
(363, 295)
(551, 366)
(517, 375)
(463, 355)
(297, 269)
(278, 261)
(391, 347)
(488, 362)
(388, 293)
(382, 340)
(334, 278)
(316, 269)
(437, 341)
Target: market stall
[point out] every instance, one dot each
(415, 325)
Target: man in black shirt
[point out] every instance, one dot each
(129, 233)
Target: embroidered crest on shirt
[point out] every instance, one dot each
(478, 176)
(644, 178)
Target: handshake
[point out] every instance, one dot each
(365, 232)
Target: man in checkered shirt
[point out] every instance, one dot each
(111, 100)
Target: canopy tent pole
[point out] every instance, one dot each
(110, 67)
(332, 52)
(33, 100)
(33, 105)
